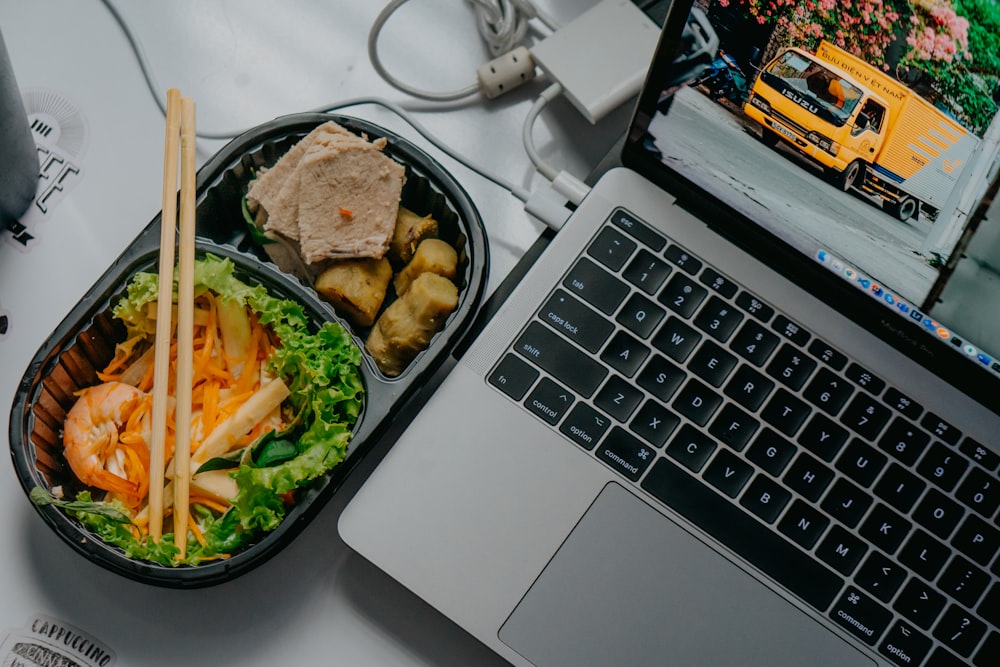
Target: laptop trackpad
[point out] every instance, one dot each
(630, 587)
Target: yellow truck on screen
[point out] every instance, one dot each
(865, 128)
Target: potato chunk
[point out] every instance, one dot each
(408, 324)
(356, 288)
(410, 230)
(432, 256)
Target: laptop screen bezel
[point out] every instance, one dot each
(903, 334)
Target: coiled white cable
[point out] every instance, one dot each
(503, 25)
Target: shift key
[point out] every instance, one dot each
(560, 358)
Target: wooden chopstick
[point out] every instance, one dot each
(164, 306)
(185, 327)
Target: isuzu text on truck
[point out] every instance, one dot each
(865, 128)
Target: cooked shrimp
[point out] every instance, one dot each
(93, 445)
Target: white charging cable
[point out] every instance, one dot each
(503, 25)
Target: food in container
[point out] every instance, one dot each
(82, 348)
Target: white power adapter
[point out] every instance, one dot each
(601, 57)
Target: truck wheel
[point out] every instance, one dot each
(846, 179)
(769, 137)
(905, 208)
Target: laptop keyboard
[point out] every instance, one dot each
(867, 506)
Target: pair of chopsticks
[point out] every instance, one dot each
(180, 129)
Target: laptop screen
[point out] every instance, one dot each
(862, 140)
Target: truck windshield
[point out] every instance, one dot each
(814, 87)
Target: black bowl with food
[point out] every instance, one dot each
(320, 371)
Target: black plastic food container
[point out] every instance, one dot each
(84, 341)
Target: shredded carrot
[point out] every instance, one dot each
(347, 213)
(209, 503)
(196, 530)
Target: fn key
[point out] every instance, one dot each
(513, 377)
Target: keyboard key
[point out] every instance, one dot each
(682, 295)
(576, 321)
(513, 377)
(803, 524)
(611, 248)
(846, 503)
(733, 427)
(960, 631)
(647, 272)
(755, 306)
(828, 391)
(865, 379)
(661, 378)
(764, 549)
(697, 402)
(558, 357)
(791, 367)
(654, 423)
(676, 339)
(899, 487)
(585, 426)
(963, 581)
(885, 528)
(880, 576)
(988, 652)
(678, 256)
(771, 452)
(919, 602)
(861, 616)
(619, 398)
(628, 222)
(549, 401)
(865, 416)
(841, 550)
(625, 353)
(977, 539)
(938, 513)
(941, 429)
(728, 473)
(942, 466)
(833, 358)
(904, 645)
(978, 453)
(944, 658)
(754, 343)
(902, 403)
(716, 281)
(980, 491)
(765, 498)
(823, 437)
(861, 462)
(712, 363)
(924, 554)
(904, 441)
(640, 315)
(990, 607)
(791, 330)
(785, 412)
(691, 448)
(748, 388)
(596, 286)
(625, 453)
(718, 319)
(808, 477)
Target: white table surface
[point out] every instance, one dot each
(244, 62)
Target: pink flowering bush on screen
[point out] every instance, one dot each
(867, 28)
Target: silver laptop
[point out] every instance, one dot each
(743, 410)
